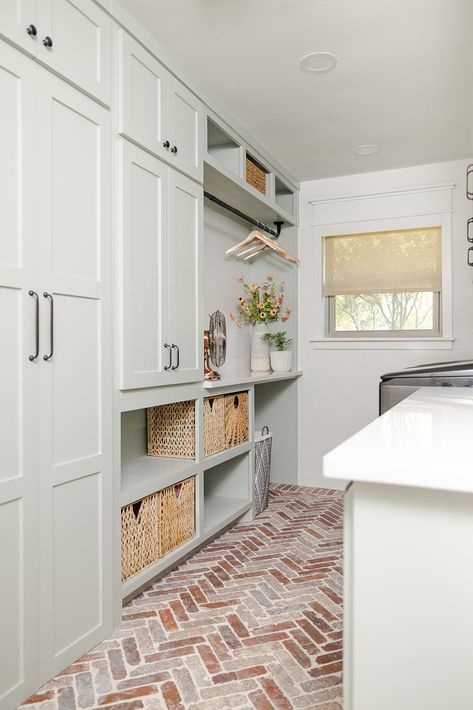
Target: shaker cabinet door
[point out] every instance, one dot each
(75, 39)
(184, 273)
(19, 23)
(142, 256)
(19, 609)
(143, 98)
(186, 127)
(75, 377)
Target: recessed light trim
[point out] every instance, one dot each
(367, 149)
(318, 62)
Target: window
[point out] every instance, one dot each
(384, 283)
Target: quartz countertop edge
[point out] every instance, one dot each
(425, 441)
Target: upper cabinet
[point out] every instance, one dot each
(186, 130)
(72, 37)
(156, 110)
(19, 23)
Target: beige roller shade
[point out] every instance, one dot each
(382, 262)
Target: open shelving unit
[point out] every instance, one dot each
(225, 177)
(223, 149)
(227, 492)
(141, 474)
(223, 481)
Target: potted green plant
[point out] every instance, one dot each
(281, 353)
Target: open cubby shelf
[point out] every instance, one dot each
(284, 196)
(226, 177)
(223, 148)
(141, 474)
(226, 492)
(146, 474)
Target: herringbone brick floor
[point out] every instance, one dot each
(254, 620)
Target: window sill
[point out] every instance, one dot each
(438, 343)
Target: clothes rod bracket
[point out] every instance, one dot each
(275, 233)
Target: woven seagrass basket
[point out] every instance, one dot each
(236, 419)
(255, 176)
(214, 425)
(176, 524)
(139, 535)
(171, 430)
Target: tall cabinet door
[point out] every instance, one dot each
(74, 214)
(78, 45)
(18, 381)
(18, 23)
(144, 352)
(186, 126)
(143, 97)
(184, 269)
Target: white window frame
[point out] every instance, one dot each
(386, 341)
(435, 332)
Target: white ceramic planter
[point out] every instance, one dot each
(259, 349)
(281, 360)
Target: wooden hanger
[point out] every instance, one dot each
(255, 243)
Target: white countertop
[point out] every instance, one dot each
(425, 441)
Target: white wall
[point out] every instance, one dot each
(275, 403)
(338, 393)
(222, 287)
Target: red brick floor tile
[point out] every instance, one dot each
(252, 620)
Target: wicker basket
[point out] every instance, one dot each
(214, 425)
(171, 430)
(176, 515)
(236, 419)
(255, 176)
(139, 535)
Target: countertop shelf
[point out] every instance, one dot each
(147, 474)
(251, 379)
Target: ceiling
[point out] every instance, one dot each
(403, 79)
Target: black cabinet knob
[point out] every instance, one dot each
(31, 30)
(47, 41)
(166, 145)
(174, 149)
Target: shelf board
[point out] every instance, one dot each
(147, 474)
(226, 455)
(251, 379)
(220, 512)
(235, 191)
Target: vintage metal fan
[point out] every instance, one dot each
(215, 345)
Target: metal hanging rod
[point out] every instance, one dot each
(273, 232)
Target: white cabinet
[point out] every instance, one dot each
(143, 87)
(72, 37)
(184, 264)
(185, 130)
(19, 609)
(19, 23)
(55, 438)
(156, 110)
(159, 258)
(73, 217)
